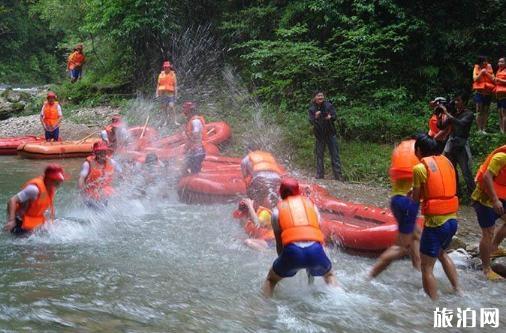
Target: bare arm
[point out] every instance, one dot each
(416, 194)
(251, 211)
(488, 180)
(85, 169)
(11, 213)
(277, 232)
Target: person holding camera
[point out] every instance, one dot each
(435, 125)
(457, 148)
(322, 115)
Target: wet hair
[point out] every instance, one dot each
(426, 144)
(151, 158)
(464, 95)
(253, 146)
(481, 59)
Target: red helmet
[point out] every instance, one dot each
(51, 94)
(54, 172)
(288, 187)
(166, 64)
(100, 146)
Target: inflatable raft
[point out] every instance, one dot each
(349, 225)
(56, 150)
(220, 181)
(9, 146)
(217, 133)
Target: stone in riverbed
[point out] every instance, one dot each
(499, 266)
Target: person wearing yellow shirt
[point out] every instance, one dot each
(490, 204)
(434, 183)
(261, 218)
(404, 209)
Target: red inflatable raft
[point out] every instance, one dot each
(54, 150)
(217, 133)
(8, 146)
(219, 181)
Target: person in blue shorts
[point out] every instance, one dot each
(404, 209)
(434, 181)
(296, 226)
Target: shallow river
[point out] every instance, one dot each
(156, 265)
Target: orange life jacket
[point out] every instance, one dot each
(50, 114)
(433, 129)
(167, 82)
(298, 220)
(500, 88)
(263, 161)
(189, 131)
(499, 180)
(34, 215)
(403, 161)
(484, 85)
(99, 179)
(75, 59)
(440, 189)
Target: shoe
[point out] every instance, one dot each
(483, 132)
(493, 276)
(500, 252)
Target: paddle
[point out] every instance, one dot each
(86, 137)
(145, 126)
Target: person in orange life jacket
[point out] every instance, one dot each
(26, 210)
(50, 117)
(96, 176)
(115, 135)
(483, 85)
(166, 91)
(75, 63)
(322, 116)
(434, 182)
(296, 226)
(500, 93)
(404, 209)
(435, 123)
(195, 135)
(260, 215)
(489, 202)
(457, 148)
(262, 174)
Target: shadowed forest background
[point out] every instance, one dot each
(379, 62)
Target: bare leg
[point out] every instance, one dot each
(395, 252)
(428, 279)
(487, 235)
(330, 279)
(485, 116)
(479, 116)
(450, 270)
(256, 244)
(270, 282)
(499, 236)
(414, 250)
(502, 119)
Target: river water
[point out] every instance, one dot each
(157, 265)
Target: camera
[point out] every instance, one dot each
(441, 102)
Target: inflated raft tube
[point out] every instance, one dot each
(358, 227)
(211, 187)
(9, 146)
(166, 154)
(56, 150)
(217, 133)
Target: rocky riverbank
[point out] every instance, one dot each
(76, 124)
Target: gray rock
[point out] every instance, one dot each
(499, 266)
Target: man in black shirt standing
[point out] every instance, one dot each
(457, 148)
(322, 115)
